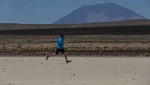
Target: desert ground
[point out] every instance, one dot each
(81, 71)
(22, 60)
(76, 44)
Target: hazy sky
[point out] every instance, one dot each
(48, 11)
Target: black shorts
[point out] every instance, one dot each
(60, 50)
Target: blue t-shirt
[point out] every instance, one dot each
(60, 43)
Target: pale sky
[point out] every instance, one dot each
(49, 11)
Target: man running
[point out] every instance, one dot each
(60, 48)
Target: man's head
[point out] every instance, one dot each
(62, 35)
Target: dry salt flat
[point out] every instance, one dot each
(93, 70)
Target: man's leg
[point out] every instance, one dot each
(48, 55)
(65, 55)
(54, 54)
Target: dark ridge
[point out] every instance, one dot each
(142, 29)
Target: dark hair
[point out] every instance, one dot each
(62, 35)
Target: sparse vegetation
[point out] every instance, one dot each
(80, 44)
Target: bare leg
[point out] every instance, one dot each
(54, 54)
(48, 55)
(65, 55)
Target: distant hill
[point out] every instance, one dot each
(140, 26)
(99, 13)
(17, 26)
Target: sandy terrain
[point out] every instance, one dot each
(82, 71)
(92, 44)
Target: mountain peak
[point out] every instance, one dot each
(95, 5)
(106, 12)
(109, 3)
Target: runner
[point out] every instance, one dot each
(60, 48)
